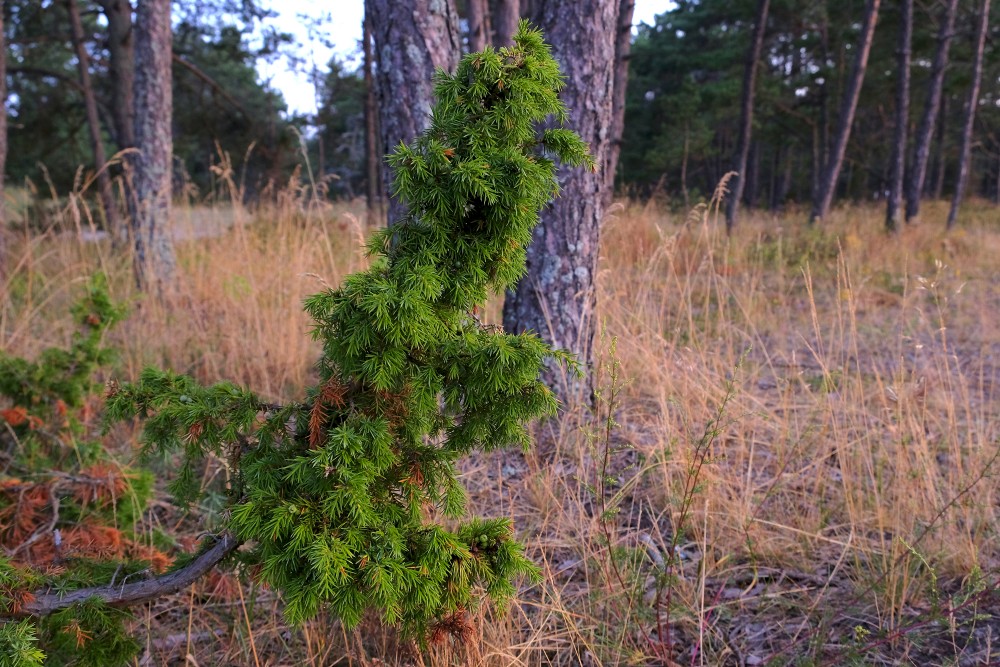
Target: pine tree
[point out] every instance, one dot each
(350, 499)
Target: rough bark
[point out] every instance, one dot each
(130, 594)
(899, 135)
(413, 38)
(373, 190)
(849, 105)
(121, 67)
(933, 105)
(508, 13)
(556, 298)
(93, 120)
(623, 49)
(965, 151)
(151, 166)
(479, 34)
(746, 113)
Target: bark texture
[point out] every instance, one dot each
(479, 32)
(151, 172)
(556, 298)
(623, 50)
(93, 120)
(508, 13)
(899, 135)
(965, 151)
(849, 105)
(373, 156)
(746, 112)
(932, 107)
(413, 38)
(121, 67)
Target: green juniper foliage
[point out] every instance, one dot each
(339, 496)
(55, 478)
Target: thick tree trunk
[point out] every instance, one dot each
(373, 156)
(93, 120)
(849, 105)
(623, 48)
(508, 13)
(902, 116)
(152, 165)
(121, 67)
(965, 152)
(413, 38)
(479, 34)
(933, 105)
(746, 113)
(556, 298)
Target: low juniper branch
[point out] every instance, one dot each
(131, 594)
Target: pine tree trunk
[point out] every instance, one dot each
(373, 156)
(785, 182)
(413, 38)
(3, 146)
(932, 107)
(746, 113)
(508, 13)
(996, 191)
(823, 138)
(623, 48)
(902, 116)
(556, 298)
(941, 162)
(965, 152)
(831, 172)
(93, 121)
(121, 63)
(152, 166)
(477, 11)
(752, 189)
(685, 154)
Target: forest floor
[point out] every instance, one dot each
(795, 460)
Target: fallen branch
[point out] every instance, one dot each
(44, 604)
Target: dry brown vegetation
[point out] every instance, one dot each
(804, 466)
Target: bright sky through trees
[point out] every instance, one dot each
(338, 32)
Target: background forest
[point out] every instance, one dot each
(683, 104)
(259, 365)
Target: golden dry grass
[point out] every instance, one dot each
(845, 482)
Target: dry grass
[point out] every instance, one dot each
(844, 488)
